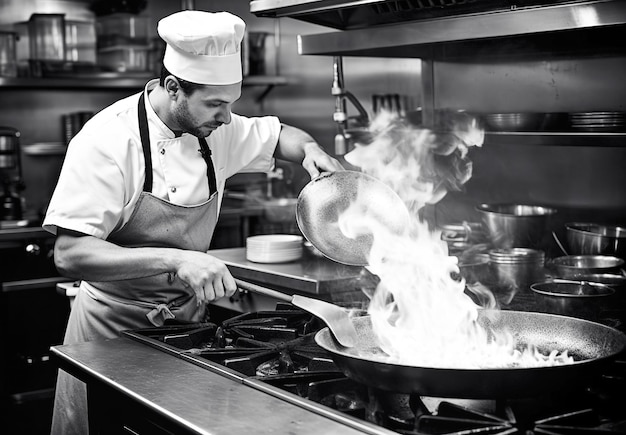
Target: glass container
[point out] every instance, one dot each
(8, 57)
(46, 34)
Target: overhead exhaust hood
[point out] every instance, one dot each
(454, 28)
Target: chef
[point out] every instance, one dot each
(139, 193)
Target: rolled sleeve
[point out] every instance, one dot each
(250, 143)
(90, 192)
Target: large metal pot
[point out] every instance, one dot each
(588, 238)
(591, 344)
(516, 225)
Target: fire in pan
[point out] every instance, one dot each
(591, 345)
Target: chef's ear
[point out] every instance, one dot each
(172, 86)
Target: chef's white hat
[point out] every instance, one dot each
(203, 47)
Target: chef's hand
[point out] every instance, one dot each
(208, 276)
(316, 160)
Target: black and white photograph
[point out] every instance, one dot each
(379, 217)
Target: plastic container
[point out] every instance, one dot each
(46, 34)
(80, 41)
(121, 59)
(8, 54)
(121, 29)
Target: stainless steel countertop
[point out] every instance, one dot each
(196, 398)
(311, 275)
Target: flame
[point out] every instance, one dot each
(420, 314)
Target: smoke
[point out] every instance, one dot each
(422, 165)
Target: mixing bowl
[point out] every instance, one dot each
(516, 225)
(582, 299)
(589, 238)
(579, 266)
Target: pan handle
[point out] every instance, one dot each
(263, 291)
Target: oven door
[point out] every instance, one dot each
(33, 317)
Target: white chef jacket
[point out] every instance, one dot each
(103, 172)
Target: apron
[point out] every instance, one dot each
(103, 309)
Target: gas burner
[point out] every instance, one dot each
(276, 352)
(456, 419)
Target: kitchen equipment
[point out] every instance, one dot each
(80, 41)
(514, 121)
(273, 248)
(125, 58)
(573, 298)
(474, 267)
(46, 35)
(516, 268)
(304, 377)
(256, 52)
(72, 123)
(589, 238)
(122, 29)
(336, 318)
(613, 280)
(591, 344)
(598, 121)
(324, 199)
(576, 266)
(8, 54)
(279, 209)
(516, 225)
(10, 175)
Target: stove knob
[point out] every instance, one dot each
(33, 249)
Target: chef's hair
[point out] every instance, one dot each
(187, 87)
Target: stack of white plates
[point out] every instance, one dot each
(598, 121)
(273, 248)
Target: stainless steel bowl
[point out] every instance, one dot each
(589, 238)
(516, 225)
(582, 299)
(578, 266)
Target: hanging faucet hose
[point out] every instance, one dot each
(340, 115)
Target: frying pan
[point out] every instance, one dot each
(325, 198)
(591, 344)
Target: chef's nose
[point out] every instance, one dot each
(223, 115)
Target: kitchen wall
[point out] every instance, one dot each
(583, 181)
(305, 102)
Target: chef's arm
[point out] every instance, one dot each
(296, 145)
(89, 258)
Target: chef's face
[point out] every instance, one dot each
(204, 109)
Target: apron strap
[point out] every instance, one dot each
(145, 143)
(147, 154)
(210, 169)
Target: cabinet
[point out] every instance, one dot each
(33, 317)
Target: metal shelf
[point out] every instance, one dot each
(590, 139)
(494, 31)
(113, 81)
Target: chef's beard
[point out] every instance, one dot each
(186, 122)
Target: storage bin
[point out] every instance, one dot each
(121, 59)
(121, 29)
(46, 34)
(80, 41)
(8, 54)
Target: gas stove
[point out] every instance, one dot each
(275, 352)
